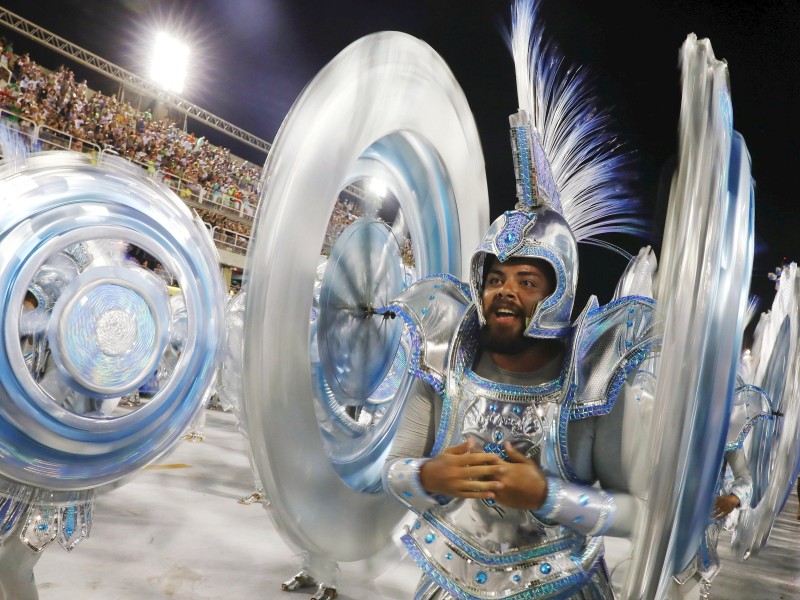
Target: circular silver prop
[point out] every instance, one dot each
(356, 345)
(86, 325)
(375, 179)
(775, 455)
(704, 276)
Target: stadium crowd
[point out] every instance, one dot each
(56, 100)
(33, 96)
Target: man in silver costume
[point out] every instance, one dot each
(517, 448)
(530, 413)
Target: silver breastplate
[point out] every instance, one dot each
(477, 546)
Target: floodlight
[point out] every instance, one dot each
(169, 62)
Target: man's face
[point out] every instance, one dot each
(511, 292)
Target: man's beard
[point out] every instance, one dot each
(503, 343)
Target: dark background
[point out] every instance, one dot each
(253, 57)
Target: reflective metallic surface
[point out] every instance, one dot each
(84, 325)
(776, 458)
(702, 293)
(386, 108)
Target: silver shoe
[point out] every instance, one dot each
(325, 592)
(256, 496)
(301, 580)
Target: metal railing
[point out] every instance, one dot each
(194, 195)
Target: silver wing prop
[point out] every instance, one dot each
(774, 455)
(84, 325)
(324, 374)
(702, 292)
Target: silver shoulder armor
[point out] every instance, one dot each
(432, 308)
(610, 342)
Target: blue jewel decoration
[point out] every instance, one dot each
(513, 232)
(628, 343)
(429, 538)
(448, 556)
(481, 577)
(498, 436)
(517, 410)
(490, 502)
(493, 407)
(577, 520)
(545, 568)
(417, 525)
(516, 578)
(408, 495)
(583, 499)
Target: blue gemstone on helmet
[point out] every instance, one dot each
(490, 502)
(429, 538)
(408, 461)
(498, 435)
(493, 407)
(545, 568)
(628, 343)
(448, 556)
(408, 495)
(629, 323)
(417, 525)
(517, 410)
(577, 520)
(481, 577)
(583, 499)
(516, 578)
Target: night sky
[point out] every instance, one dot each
(253, 57)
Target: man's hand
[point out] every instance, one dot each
(459, 473)
(724, 505)
(523, 484)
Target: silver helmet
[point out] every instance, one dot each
(539, 233)
(570, 172)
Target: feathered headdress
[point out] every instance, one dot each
(565, 153)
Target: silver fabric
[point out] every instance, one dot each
(587, 510)
(540, 233)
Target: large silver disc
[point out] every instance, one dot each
(777, 456)
(84, 324)
(386, 110)
(703, 281)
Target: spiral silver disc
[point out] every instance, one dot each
(83, 324)
(387, 108)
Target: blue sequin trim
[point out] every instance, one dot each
(599, 310)
(416, 348)
(511, 236)
(554, 298)
(547, 590)
(496, 560)
(523, 161)
(737, 445)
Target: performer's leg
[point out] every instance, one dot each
(798, 498)
(16, 570)
(315, 571)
